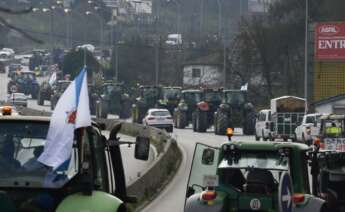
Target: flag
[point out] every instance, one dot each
(52, 78)
(244, 87)
(72, 111)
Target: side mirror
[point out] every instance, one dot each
(208, 157)
(142, 148)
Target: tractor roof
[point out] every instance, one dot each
(191, 91)
(269, 146)
(332, 116)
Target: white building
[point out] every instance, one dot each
(206, 71)
(334, 104)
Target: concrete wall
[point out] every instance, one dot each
(209, 75)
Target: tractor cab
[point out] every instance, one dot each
(148, 98)
(250, 176)
(92, 179)
(170, 98)
(186, 106)
(235, 98)
(329, 160)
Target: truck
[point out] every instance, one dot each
(307, 131)
(251, 176)
(287, 113)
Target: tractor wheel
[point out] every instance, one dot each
(34, 94)
(40, 99)
(194, 121)
(201, 121)
(221, 124)
(175, 119)
(249, 123)
(257, 138)
(263, 136)
(125, 111)
(134, 115)
(181, 120)
(270, 137)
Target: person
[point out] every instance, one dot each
(32, 163)
(333, 129)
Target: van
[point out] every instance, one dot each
(263, 125)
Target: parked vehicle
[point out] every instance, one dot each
(263, 125)
(287, 114)
(203, 115)
(234, 111)
(17, 99)
(99, 186)
(24, 82)
(251, 176)
(159, 118)
(183, 112)
(307, 131)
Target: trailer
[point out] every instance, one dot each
(287, 114)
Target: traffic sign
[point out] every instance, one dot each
(285, 192)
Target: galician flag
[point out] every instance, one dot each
(72, 111)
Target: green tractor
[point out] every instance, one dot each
(112, 99)
(329, 162)
(235, 111)
(183, 112)
(251, 176)
(203, 115)
(170, 98)
(92, 180)
(148, 98)
(59, 87)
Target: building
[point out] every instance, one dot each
(334, 104)
(204, 71)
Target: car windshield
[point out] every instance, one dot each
(192, 97)
(171, 93)
(19, 150)
(213, 96)
(234, 98)
(63, 85)
(266, 160)
(160, 113)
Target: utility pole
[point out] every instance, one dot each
(157, 51)
(306, 53)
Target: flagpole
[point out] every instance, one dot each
(84, 57)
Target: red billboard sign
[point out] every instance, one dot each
(330, 41)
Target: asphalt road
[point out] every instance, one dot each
(173, 197)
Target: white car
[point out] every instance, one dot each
(159, 118)
(263, 125)
(309, 128)
(17, 99)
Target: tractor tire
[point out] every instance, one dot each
(125, 112)
(257, 138)
(134, 115)
(263, 136)
(40, 99)
(181, 119)
(200, 121)
(221, 124)
(249, 124)
(194, 121)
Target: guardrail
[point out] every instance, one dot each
(159, 173)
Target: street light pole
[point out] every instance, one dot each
(306, 53)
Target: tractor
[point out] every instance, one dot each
(170, 98)
(44, 93)
(59, 87)
(235, 111)
(183, 112)
(203, 115)
(328, 164)
(251, 176)
(112, 99)
(148, 98)
(92, 180)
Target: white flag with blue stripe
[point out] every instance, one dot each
(72, 111)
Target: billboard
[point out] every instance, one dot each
(330, 41)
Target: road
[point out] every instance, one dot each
(172, 198)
